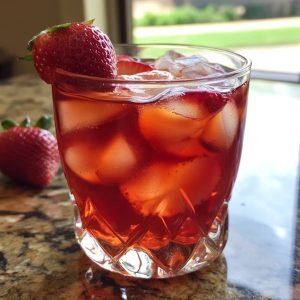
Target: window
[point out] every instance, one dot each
(266, 31)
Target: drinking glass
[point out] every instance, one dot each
(151, 159)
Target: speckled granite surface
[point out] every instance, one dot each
(39, 256)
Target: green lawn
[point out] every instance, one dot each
(263, 37)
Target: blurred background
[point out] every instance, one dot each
(267, 31)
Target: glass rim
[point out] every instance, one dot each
(244, 69)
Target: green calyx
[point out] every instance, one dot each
(43, 122)
(51, 30)
(7, 124)
(26, 122)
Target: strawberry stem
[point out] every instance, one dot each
(26, 122)
(7, 124)
(44, 122)
(27, 57)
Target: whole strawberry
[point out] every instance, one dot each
(29, 154)
(76, 47)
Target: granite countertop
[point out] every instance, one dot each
(40, 258)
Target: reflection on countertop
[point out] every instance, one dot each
(40, 259)
(263, 211)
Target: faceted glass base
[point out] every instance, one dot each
(139, 263)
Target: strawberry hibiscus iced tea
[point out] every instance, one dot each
(151, 159)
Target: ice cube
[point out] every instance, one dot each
(139, 92)
(164, 128)
(194, 66)
(74, 114)
(166, 189)
(200, 69)
(165, 61)
(108, 163)
(181, 63)
(80, 158)
(117, 160)
(220, 131)
(173, 123)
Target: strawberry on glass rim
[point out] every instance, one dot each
(75, 47)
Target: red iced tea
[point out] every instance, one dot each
(153, 176)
